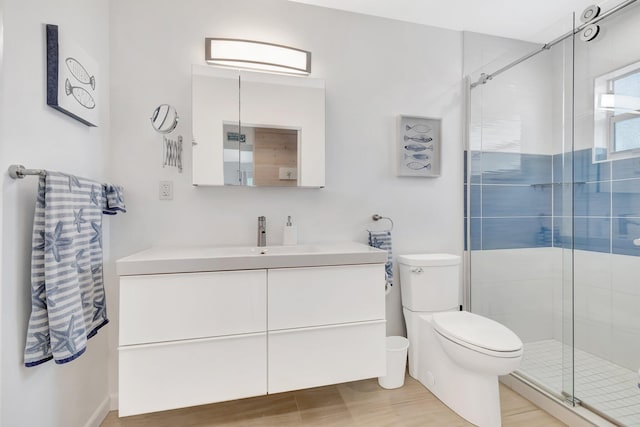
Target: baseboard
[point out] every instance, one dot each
(574, 417)
(99, 414)
(113, 402)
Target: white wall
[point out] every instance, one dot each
(37, 136)
(374, 69)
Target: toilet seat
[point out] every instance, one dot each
(478, 333)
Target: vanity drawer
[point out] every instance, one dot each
(314, 357)
(158, 377)
(166, 307)
(315, 296)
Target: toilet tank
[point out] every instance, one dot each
(430, 282)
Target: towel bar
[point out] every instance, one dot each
(377, 217)
(19, 171)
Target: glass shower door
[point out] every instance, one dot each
(520, 204)
(606, 260)
(553, 206)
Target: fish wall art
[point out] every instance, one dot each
(72, 78)
(80, 73)
(418, 146)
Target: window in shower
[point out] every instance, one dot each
(617, 114)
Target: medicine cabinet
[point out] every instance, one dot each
(257, 129)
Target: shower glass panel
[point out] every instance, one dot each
(607, 218)
(552, 213)
(520, 201)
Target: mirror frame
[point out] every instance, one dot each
(169, 109)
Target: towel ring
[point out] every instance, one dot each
(377, 217)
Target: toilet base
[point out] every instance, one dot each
(473, 396)
(477, 400)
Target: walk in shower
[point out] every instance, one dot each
(552, 203)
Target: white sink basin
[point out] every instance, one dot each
(284, 250)
(160, 260)
(271, 250)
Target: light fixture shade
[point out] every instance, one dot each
(257, 55)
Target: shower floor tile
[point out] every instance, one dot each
(599, 384)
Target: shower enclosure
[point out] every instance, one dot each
(552, 212)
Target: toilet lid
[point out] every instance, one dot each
(476, 330)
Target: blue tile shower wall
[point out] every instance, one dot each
(625, 206)
(584, 169)
(524, 201)
(511, 200)
(465, 185)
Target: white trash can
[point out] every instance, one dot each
(396, 362)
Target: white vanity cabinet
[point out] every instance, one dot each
(192, 337)
(326, 325)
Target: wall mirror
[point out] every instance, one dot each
(164, 118)
(257, 129)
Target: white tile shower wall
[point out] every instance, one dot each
(37, 136)
(606, 301)
(374, 70)
(625, 271)
(515, 287)
(506, 112)
(625, 310)
(530, 291)
(514, 265)
(604, 286)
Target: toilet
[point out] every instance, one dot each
(457, 355)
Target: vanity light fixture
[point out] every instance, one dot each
(257, 56)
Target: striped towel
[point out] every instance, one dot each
(67, 292)
(114, 197)
(382, 240)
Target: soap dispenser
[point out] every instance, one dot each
(290, 234)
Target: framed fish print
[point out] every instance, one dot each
(72, 79)
(418, 146)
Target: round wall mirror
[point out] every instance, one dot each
(164, 118)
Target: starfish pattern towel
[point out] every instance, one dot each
(382, 240)
(114, 197)
(67, 291)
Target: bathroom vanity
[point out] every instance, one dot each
(204, 325)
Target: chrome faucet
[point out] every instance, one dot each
(262, 231)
